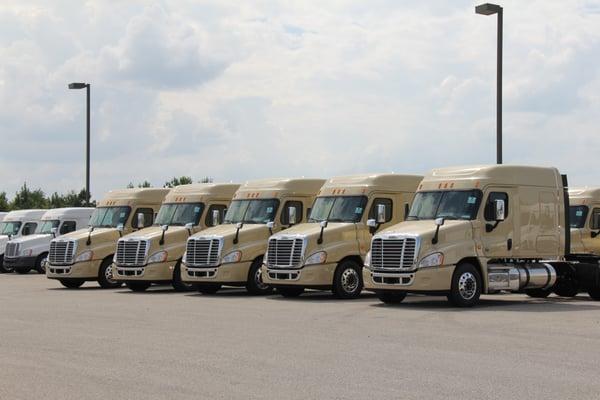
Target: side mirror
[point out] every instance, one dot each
(371, 223)
(239, 225)
(439, 221)
(270, 224)
(120, 229)
(91, 229)
(189, 226)
(164, 228)
(323, 225)
(216, 217)
(141, 221)
(381, 213)
(292, 215)
(54, 231)
(500, 211)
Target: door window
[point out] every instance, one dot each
(595, 219)
(68, 226)
(29, 228)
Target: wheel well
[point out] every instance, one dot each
(475, 262)
(45, 253)
(106, 258)
(354, 258)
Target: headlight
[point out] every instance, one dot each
(367, 262)
(158, 257)
(184, 258)
(233, 257)
(317, 258)
(25, 253)
(85, 256)
(432, 260)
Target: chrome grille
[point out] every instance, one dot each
(61, 252)
(131, 252)
(12, 250)
(391, 253)
(203, 252)
(285, 252)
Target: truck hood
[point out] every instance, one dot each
(32, 240)
(155, 232)
(333, 232)
(98, 235)
(227, 231)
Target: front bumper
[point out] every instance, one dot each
(226, 273)
(20, 262)
(159, 272)
(317, 275)
(84, 270)
(435, 279)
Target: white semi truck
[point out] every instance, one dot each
(30, 252)
(16, 224)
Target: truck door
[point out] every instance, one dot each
(364, 233)
(592, 244)
(498, 236)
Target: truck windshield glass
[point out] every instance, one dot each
(109, 217)
(10, 228)
(179, 214)
(338, 209)
(47, 226)
(252, 211)
(577, 216)
(451, 204)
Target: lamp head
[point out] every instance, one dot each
(487, 9)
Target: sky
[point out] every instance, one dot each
(257, 89)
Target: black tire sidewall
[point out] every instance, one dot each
(38, 263)
(454, 297)
(251, 285)
(177, 283)
(101, 277)
(71, 283)
(138, 286)
(338, 289)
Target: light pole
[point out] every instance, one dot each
(489, 9)
(79, 85)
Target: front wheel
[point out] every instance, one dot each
(466, 286)
(105, 278)
(4, 269)
(538, 293)
(178, 284)
(347, 280)
(138, 286)
(391, 297)
(40, 263)
(208, 288)
(255, 284)
(290, 291)
(71, 283)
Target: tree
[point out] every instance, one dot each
(71, 199)
(4, 205)
(182, 180)
(144, 184)
(206, 179)
(26, 199)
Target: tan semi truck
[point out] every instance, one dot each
(231, 254)
(153, 254)
(482, 229)
(327, 251)
(87, 254)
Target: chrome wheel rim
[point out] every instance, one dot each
(108, 275)
(467, 286)
(43, 264)
(259, 281)
(350, 280)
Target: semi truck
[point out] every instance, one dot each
(153, 254)
(87, 254)
(585, 220)
(232, 253)
(481, 230)
(327, 251)
(30, 252)
(14, 225)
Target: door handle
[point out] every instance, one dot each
(509, 244)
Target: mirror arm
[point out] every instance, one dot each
(434, 240)
(237, 234)
(89, 239)
(320, 239)
(162, 238)
(489, 227)
(594, 234)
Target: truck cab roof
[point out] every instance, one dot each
(23, 215)
(200, 191)
(366, 183)
(127, 196)
(268, 188)
(584, 195)
(68, 212)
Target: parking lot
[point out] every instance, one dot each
(98, 344)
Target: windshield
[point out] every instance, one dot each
(252, 211)
(338, 209)
(48, 225)
(179, 214)
(577, 216)
(10, 228)
(452, 204)
(109, 217)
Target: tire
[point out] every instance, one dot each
(3, 269)
(347, 280)
(208, 288)
(71, 283)
(40, 263)
(538, 293)
(594, 294)
(138, 286)
(254, 282)
(391, 297)
(566, 289)
(105, 275)
(290, 291)
(466, 286)
(23, 271)
(178, 284)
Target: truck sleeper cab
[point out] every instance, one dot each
(153, 254)
(30, 252)
(87, 254)
(481, 229)
(232, 253)
(585, 220)
(14, 225)
(328, 250)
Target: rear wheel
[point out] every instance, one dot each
(538, 293)
(594, 294)
(254, 283)
(208, 288)
(178, 284)
(40, 263)
(391, 297)
(466, 286)
(71, 283)
(138, 286)
(290, 291)
(105, 278)
(347, 280)
(567, 288)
